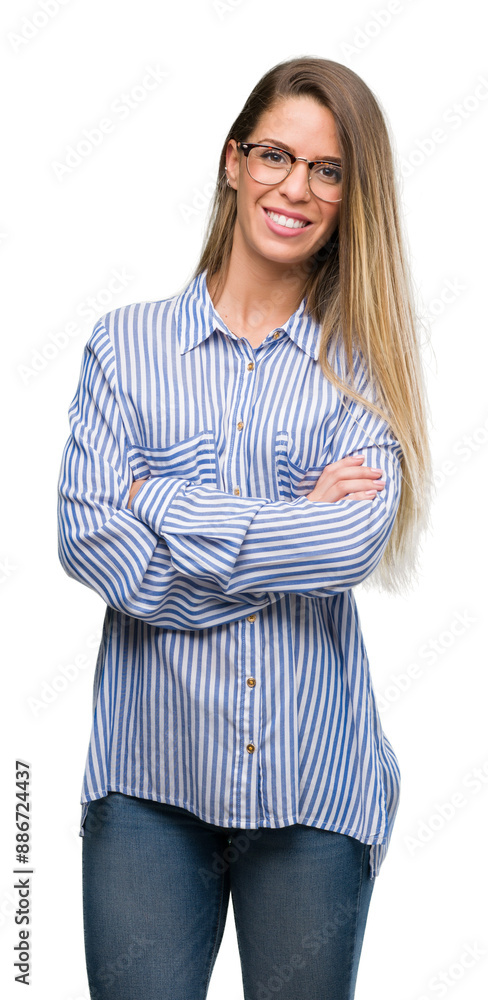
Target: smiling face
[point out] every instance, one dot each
(305, 128)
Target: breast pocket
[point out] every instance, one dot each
(194, 459)
(294, 477)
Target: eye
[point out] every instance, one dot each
(269, 154)
(329, 172)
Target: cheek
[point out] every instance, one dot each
(246, 207)
(328, 226)
(330, 217)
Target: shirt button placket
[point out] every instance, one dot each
(248, 694)
(249, 690)
(235, 472)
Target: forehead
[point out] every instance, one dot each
(299, 122)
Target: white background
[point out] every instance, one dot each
(136, 204)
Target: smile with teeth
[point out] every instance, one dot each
(285, 220)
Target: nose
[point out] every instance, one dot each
(295, 185)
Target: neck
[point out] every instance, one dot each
(258, 292)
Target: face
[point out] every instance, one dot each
(305, 128)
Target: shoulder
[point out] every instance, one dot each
(130, 336)
(131, 339)
(137, 320)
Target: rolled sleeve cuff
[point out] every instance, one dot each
(153, 499)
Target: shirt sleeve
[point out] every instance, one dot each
(313, 548)
(102, 544)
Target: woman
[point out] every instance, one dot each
(241, 455)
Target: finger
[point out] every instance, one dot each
(336, 475)
(345, 486)
(331, 491)
(364, 472)
(362, 483)
(362, 495)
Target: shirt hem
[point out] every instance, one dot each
(373, 840)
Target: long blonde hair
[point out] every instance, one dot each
(358, 285)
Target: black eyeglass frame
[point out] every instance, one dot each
(246, 149)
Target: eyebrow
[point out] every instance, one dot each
(285, 146)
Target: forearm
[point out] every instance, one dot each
(132, 570)
(243, 544)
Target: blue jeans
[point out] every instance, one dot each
(156, 886)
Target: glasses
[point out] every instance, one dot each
(270, 165)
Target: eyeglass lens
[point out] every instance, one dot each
(270, 166)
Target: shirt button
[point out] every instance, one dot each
(250, 366)
(240, 425)
(250, 748)
(276, 335)
(251, 618)
(237, 492)
(251, 682)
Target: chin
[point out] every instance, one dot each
(286, 255)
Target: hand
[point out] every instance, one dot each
(136, 485)
(345, 477)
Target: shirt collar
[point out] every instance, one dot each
(196, 319)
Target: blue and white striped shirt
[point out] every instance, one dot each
(232, 678)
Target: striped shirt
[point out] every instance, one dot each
(232, 678)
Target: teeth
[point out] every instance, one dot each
(284, 220)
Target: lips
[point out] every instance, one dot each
(287, 214)
(285, 225)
